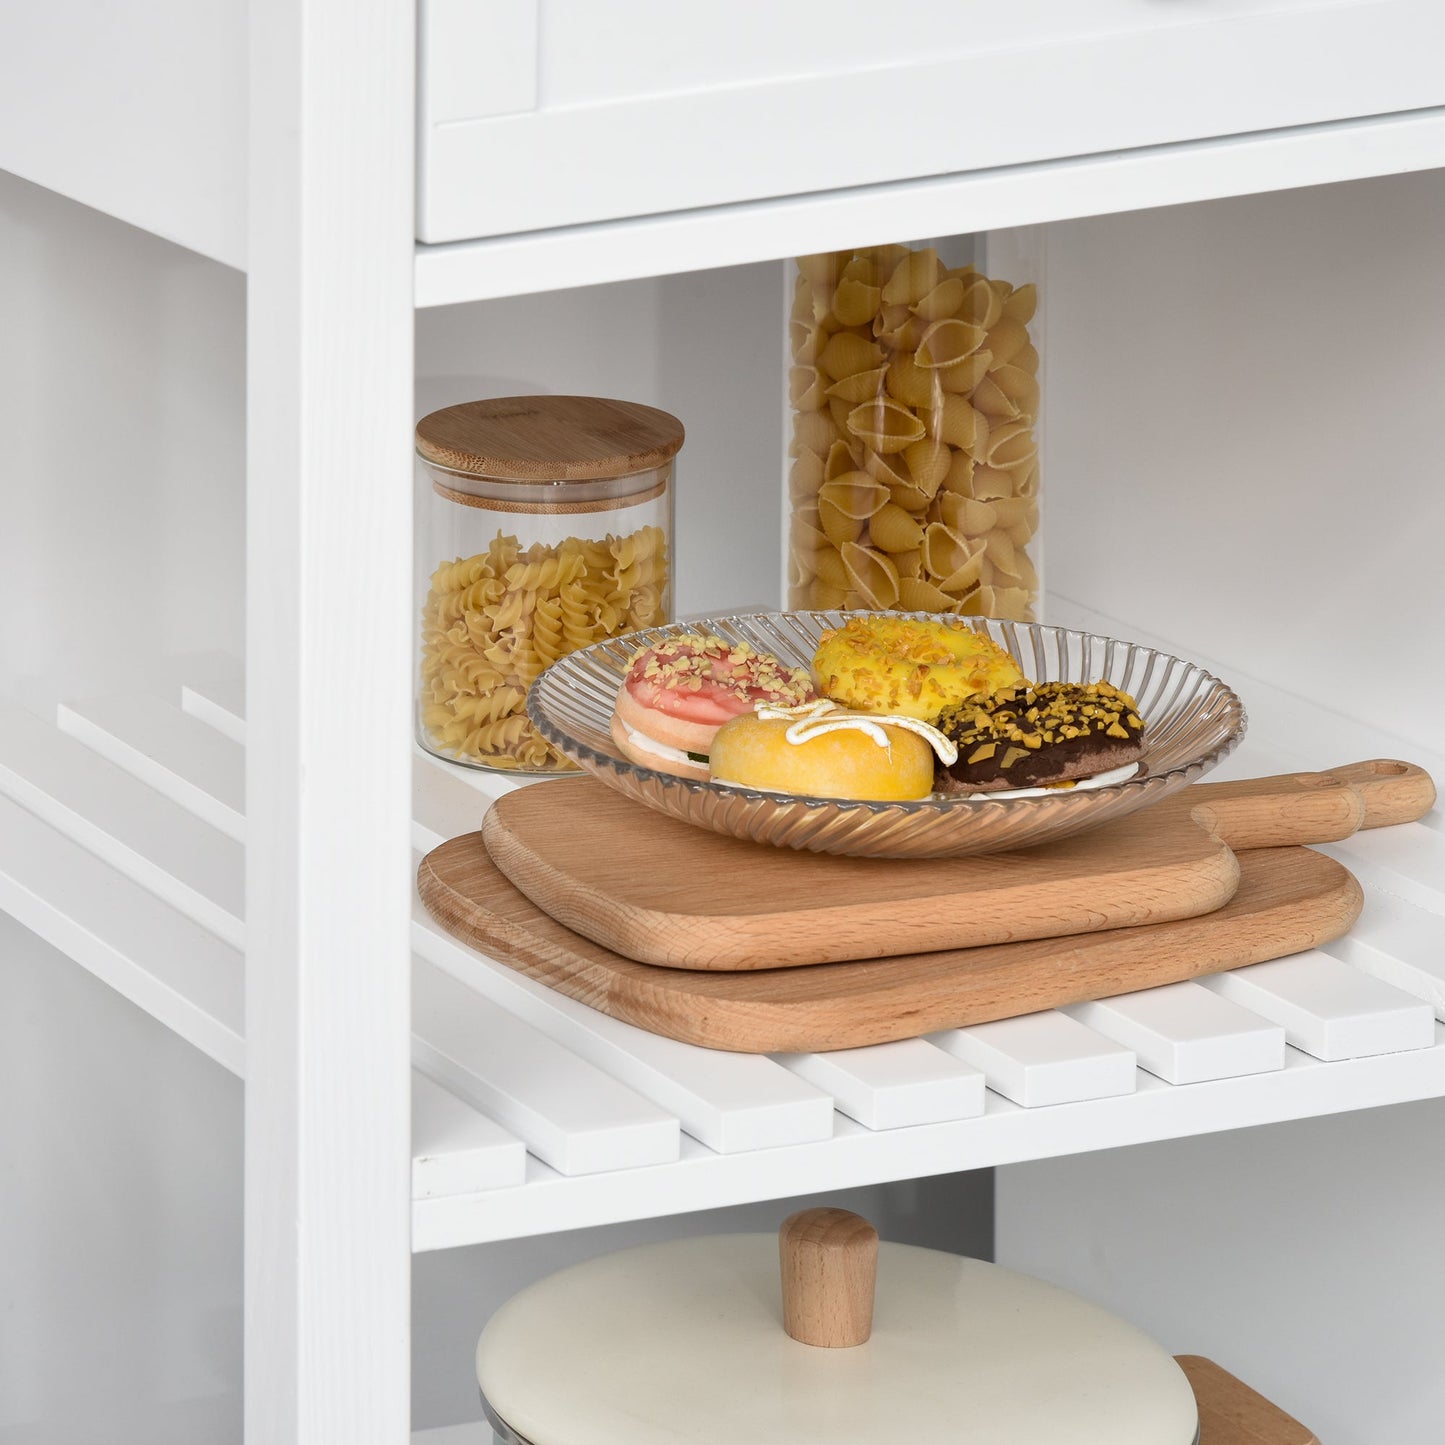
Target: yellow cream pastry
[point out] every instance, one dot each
(908, 666)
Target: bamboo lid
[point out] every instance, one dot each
(549, 438)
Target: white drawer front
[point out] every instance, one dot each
(542, 113)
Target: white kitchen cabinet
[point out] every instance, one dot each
(1241, 438)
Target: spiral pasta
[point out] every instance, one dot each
(915, 469)
(492, 622)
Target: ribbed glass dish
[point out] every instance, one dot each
(1192, 721)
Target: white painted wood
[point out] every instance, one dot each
(444, 805)
(1407, 861)
(475, 60)
(1005, 1134)
(213, 689)
(456, 1150)
(1327, 1008)
(765, 104)
(176, 970)
(1043, 1058)
(733, 1103)
(732, 235)
(89, 100)
(180, 757)
(147, 837)
(892, 1086)
(570, 1115)
(1185, 1034)
(328, 665)
(1399, 944)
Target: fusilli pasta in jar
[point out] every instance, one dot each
(550, 528)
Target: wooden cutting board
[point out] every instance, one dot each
(1288, 900)
(659, 891)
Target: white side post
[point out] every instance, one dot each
(329, 378)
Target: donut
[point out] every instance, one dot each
(1037, 734)
(677, 694)
(755, 752)
(910, 667)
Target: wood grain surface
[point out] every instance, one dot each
(657, 890)
(828, 1263)
(1230, 1413)
(1288, 900)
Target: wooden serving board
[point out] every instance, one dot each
(657, 890)
(1288, 900)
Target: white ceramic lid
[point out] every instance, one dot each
(682, 1343)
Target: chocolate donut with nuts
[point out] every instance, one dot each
(1037, 734)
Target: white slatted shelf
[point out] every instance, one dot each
(1005, 1134)
(1329, 1009)
(181, 757)
(1184, 1033)
(570, 1114)
(456, 1150)
(1399, 944)
(893, 1086)
(730, 1102)
(94, 872)
(1043, 1058)
(158, 843)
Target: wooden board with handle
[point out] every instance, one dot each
(1288, 900)
(659, 891)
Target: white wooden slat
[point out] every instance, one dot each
(1400, 944)
(1407, 860)
(214, 691)
(569, 1114)
(733, 1103)
(456, 1150)
(179, 756)
(1327, 1008)
(1185, 1034)
(149, 838)
(892, 1086)
(167, 964)
(1043, 1058)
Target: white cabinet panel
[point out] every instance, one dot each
(635, 108)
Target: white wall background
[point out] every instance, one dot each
(1245, 456)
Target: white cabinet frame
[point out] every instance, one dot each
(329, 378)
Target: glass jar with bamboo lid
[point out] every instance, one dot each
(548, 526)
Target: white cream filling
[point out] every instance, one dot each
(812, 719)
(645, 744)
(1081, 785)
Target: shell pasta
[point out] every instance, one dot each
(914, 464)
(492, 622)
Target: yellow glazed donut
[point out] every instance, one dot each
(910, 667)
(754, 752)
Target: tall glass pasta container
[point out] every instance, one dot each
(913, 439)
(549, 526)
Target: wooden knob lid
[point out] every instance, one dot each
(829, 1263)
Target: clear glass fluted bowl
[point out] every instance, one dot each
(1192, 722)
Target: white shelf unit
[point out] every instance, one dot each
(534, 1113)
(123, 837)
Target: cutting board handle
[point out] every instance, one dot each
(1393, 791)
(829, 1264)
(1309, 807)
